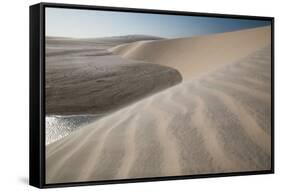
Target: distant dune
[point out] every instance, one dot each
(218, 119)
(104, 42)
(197, 55)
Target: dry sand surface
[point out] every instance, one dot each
(197, 55)
(218, 119)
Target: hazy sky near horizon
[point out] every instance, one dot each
(80, 23)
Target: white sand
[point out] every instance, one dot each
(197, 55)
(212, 123)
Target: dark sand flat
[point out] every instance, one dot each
(88, 79)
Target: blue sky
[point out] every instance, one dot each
(93, 24)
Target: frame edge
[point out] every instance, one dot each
(35, 132)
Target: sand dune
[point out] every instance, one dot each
(100, 43)
(197, 55)
(213, 123)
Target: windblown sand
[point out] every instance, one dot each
(218, 119)
(198, 55)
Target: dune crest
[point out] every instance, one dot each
(195, 55)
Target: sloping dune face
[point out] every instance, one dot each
(197, 55)
(217, 120)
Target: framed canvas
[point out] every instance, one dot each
(122, 95)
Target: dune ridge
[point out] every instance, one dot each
(195, 56)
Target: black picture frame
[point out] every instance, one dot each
(37, 95)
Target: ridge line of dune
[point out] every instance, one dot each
(262, 95)
(245, 78)
(210, 137)
(253, 130)
(130, 154)
(190, 55)
(257, 70)
(170, 163)
(249, 66)
(59, 164)
(182, 38)
(93, 161)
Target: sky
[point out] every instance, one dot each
(78, 23)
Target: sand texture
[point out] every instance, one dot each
(197, 55)
(218, 119)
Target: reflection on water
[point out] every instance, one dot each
(58, 127)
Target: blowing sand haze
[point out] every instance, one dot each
(139, 106)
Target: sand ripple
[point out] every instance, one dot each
(220, 122)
